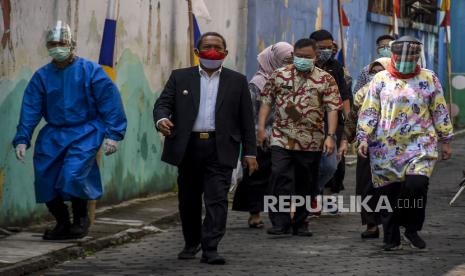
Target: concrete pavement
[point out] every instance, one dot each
(335, 249)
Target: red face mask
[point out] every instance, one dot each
(212, 54)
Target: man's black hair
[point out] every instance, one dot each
(383, 37)
(321, 35)
(305, 42)
(199, 42)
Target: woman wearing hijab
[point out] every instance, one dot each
(401, 121)
(364, 186)
(250, 192)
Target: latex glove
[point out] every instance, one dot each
(21, 152)
(110, 146)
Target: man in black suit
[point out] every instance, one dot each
(205, 113)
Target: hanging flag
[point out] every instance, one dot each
(445, 13)
(344, 19)
(107, 47)
(341, 29)
(396, 4)
(340, 57)
(199, 10)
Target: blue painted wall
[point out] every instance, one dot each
(270, 21)
(457, 10)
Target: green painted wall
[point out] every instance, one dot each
(136, 170)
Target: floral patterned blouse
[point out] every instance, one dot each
(402, 121)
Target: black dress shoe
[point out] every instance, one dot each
(302, 231)
(212, 258)
(370, 234)
(276, 231)
(188, 252)
(415, 240)
(392, 247)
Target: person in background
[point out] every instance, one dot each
(401, 121)
(330, 180)
(364, 185)
(205, 113)
(338, 56)
(82, 107)
(300, 94)
(383, 49)
(250, 192)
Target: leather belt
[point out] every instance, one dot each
(204, 135)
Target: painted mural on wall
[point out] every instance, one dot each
(151, 40)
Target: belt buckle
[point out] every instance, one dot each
(204, 135)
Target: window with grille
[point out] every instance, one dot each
(421, 11)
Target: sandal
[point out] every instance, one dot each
(257, 225)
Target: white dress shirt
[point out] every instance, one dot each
(205, 120)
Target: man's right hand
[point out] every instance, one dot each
(164, 126)
(261, 136)
(21, 152)
(363, 149)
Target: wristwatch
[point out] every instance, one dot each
(332, 135)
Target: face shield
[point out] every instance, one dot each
(60, 43)
(60, 34)
(406, 53)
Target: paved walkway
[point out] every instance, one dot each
(335, 248)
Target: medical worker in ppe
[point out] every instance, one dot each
(81, 107)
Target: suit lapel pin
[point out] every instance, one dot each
(185, 92)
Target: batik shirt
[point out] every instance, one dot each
(300, 103)
(402, 121)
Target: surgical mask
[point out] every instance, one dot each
(325, 55)
(59, 53)
(303, 64)
(406, 67)
(385, 52)
(211, 59)
(210, 63)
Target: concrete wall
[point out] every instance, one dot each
(151, 41)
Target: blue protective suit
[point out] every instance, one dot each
(81, 106)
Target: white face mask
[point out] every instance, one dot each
(211, 64)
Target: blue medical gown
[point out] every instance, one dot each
(81, 106)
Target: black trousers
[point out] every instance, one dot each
(364, 187)
(408, 200)
(250, 191)
(336, 184)
(200, 173)
(293, 173)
